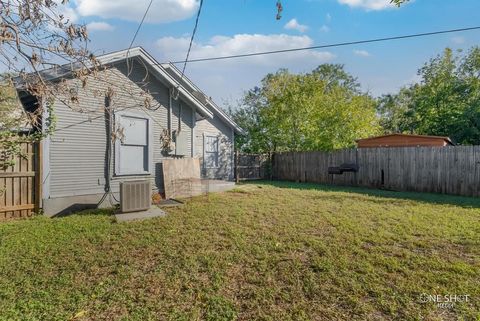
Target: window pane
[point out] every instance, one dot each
(211, 144)
(135, 130)
(211, 159)
(133, 159)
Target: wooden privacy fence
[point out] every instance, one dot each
(447, 170)
(19, 184)
(251, 166)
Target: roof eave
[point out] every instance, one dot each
(53, 74)
(408, 135)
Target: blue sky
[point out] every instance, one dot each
(239, 26)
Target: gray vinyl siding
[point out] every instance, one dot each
(185, 131)
(215, 127)
(78, 147)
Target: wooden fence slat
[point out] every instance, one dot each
(448, 170)
(17, 174)
(16, 208)
(18, 183)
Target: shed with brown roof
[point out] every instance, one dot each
(404, 140)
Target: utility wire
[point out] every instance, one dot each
(340, 44)
(175, 96)
(140, 25)
(138, 28)
(191, 39)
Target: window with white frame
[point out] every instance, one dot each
(132, 148)
(211, 151)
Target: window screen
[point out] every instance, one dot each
(133, 154)
(211, 151)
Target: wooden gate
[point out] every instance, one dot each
(251, 166)
(20, 184)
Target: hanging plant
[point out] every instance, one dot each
(166, 141)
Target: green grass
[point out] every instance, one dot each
(261, 252)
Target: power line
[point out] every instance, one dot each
(175, 96)
(191, 39)
(340, 44)
(139, 26)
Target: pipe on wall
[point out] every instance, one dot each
(169, 122)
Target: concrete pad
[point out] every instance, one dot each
(170, 203)
(140, 216)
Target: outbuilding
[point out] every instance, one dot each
(405, 140)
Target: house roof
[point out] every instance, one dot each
(444, 138)
(163, 71)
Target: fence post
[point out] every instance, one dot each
(270, 165)
(38, 176)
(237, 178)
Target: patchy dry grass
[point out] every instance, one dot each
(260, 252)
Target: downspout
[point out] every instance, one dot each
(194, 123)
(108, 152)
(45, 142)
(169, 121)
(233, 158)
(108, 116)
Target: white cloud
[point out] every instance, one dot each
(175, 48)
(294, 25)
(227, 79)
(161, 11)
(361, 53)
(458, 40)
(415, 79)
(99, 26)
(328, 17)
(68, 13)
(368, 4)
(324, 28)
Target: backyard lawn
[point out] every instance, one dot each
(263, 251)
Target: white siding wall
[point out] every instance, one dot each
(186, 119)
(215, 127)
(78, 147)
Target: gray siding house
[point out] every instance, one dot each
(81, 160)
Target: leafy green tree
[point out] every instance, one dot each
(438, 100)
(248, 116)
(11, 118)
(321, 110)
(446, 102)
(395, 112)
(335, 75)
(10, 110)
(470, 74)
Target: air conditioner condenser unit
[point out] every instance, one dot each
(135, 196)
